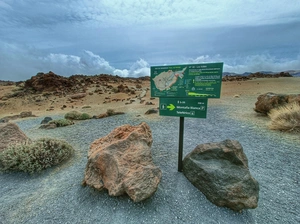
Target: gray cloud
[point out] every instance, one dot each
(126, 37)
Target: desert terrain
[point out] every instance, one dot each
(110, 94)
(57, 196)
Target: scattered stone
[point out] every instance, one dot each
(149, 103)
(78, 95)
(143, 94)
(220, 171)
(108, 113)
(10, 133)
(26, 114)
(269, 101)
(151, 111)
(121, 162)
(46, 120)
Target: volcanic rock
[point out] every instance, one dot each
(268, 101)
(121, 162)
(10, 133)
(78, 96)
(46, 120)
(220, 171)
(48, 82)
(151, 111)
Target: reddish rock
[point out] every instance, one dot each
(268, 101)
(48, 82)
(121, 162)
(10, 133)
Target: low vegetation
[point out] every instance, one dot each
(286, 118)
(35, 156)
(61, 122)
(75, 115)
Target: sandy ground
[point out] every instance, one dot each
(241, 95)
(56, 196)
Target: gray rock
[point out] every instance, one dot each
(220, 171)
(46, 120)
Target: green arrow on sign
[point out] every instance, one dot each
(171, 107)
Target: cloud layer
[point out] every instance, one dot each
(126, 37)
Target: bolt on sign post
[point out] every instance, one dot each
(183, 91)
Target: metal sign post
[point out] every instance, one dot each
(183, 91)
(180, 148)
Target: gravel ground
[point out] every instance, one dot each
(56, 195)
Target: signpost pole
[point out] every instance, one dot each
(180, 149)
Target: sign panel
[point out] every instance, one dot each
(188, 81)
(183, 107)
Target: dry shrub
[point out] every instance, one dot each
(35, 156)
(286, 118)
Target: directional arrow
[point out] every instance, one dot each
(171, 107)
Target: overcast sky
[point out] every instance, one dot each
(126, 37)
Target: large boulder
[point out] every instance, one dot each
(121, 162)
(220, 171)
(10, 133)
(269, 101)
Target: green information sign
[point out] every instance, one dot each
(188, 81)
(183, 107)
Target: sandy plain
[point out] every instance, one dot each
(240, 95)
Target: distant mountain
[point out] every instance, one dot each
(295, 73)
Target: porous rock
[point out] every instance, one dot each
(269, 101)
(10, 133)
(220, 171)
(121, 162)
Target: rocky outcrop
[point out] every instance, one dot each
(269, 101)
(48, 82)
(264, 75)
(220, 171)
(10, 133)
(121, 162)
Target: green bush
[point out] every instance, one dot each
(35, 156)
(75, 115)
(61, 122)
